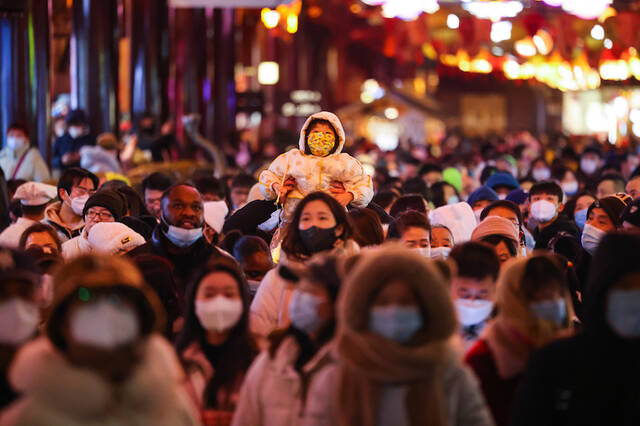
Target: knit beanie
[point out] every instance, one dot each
(481, 194)
(495, 225)
(631, 213)
(108, 199)
(502, 179)
(452, 176)
(612, 206)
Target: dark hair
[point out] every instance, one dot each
(33, 210)
(537, 160)
(437, 193)
(618, 181)
(292, 243)
(495, 239)
(135, 204)
(476, 260)
(429, 168)
(384, 198)
(408, 219)
(408, 202)
(502, 203)
(307, 131)
(15, 207)
(13, 184)
(156, 181)
(243, 180)
(547, 187)
(487, 171)
(210, 184)
(74, 176)
(542, 271)
(36, 229)
(238, 351)
(20, 126)
(367, 227)
(247, 246)
(416, 186)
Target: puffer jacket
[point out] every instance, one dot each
(314, 173)
(57, 393)
(273, 392)
(270, 306)
(76, 246)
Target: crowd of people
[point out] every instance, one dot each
(476, 282)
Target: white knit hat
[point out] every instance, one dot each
(215, 213)
(113, 238)
(35, 193)
(459, 218)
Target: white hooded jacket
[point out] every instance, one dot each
(314, 173)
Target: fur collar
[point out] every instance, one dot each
(42, 373)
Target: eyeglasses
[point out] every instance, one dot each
(102, 215)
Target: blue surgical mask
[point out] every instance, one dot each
(303, 311)
(397, 323)
(581, 217)
(623, 313)
(182, 237)
(453, 199)
(550, 310)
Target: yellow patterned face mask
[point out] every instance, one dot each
(320, 144)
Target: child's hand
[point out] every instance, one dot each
(339, 192)
(284, 190)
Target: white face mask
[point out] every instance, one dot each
(623, 312)
(183, 237)
(453, 199)
(550, 310)
(588, 165)
(105, 324)
(303, 311)
(502, 196)
(591, 237)
(77, 204)
(543, 210)
(218, 314)
(424, 251)
(75, 132)
(570, 188)
(477, 213)
(472, 312)
(440, 253)
(15, 143)
(541, 174)
(19, 320)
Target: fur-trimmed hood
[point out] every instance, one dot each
(57, 392)
(335, 122)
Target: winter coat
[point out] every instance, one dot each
(465, 404)
(56, 393)
(76, 246)
(97, 159)
(65, 231)
(65, 144)
(199, 373)
(591, 378)
(561, 224)
(274, 393)
(32, 168)
(184, 260)
(314, 173)
(10, 237)
(270, 305)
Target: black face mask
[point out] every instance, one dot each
(317, 239)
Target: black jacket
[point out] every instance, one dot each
(594, 377)
(561, 224)
(65, 144)
(185, 260)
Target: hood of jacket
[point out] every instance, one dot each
(52, 214)
(44, 376)
(335, 122)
